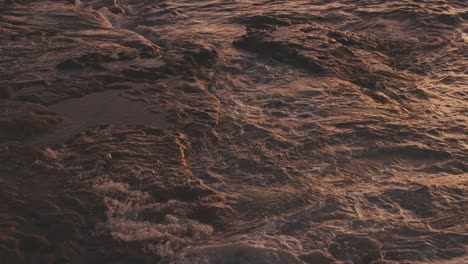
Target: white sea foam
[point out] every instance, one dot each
(125, 221)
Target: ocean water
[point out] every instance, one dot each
(215, 131)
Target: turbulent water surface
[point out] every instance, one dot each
(241, 131)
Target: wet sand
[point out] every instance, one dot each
(233, 131)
